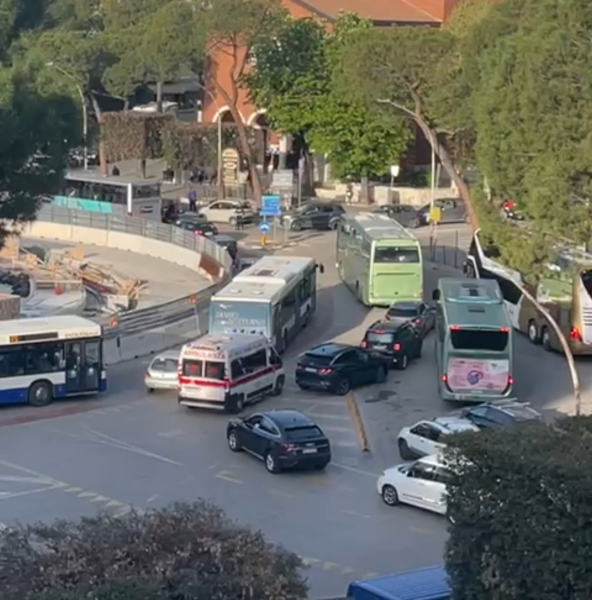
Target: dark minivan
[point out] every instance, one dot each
(398, 342)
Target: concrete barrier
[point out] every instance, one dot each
(116, 240)
(157, 340)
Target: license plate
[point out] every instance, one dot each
(380, 347)
(310, 370)
(309, 451)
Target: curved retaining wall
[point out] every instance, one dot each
(143, 332)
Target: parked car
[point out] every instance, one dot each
(453, 211)
(422, 315)
(337, 368)
(282, 439)
(313, 215)
(228, 211)
(497, 414)
(198, 227)
(397, 342)
(421, 483)
(228, 243)
(429, 437)
(405, 214)
(162, 372)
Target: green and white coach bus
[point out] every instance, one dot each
(378, 259)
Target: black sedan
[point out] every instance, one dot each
(203, 228)
(313, 215)
(498, 414)
(422, 315)
(406, 215)
(282, 439)
(337, 368)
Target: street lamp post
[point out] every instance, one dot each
(84, 110)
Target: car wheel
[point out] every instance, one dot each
(150, 390)
(533, 332)
(420, 349)
(381, 374)
(342, 387)
(232, 221)
(404, 451)
(546, 339)
(238, 405)
(233, 442)
(334, 225)
(271, 463)
(403, 362)
(414, 224)
(389, 495)
(40, 394)
(303, 387)
(278, 388)
(296, 226)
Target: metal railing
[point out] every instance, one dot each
(138, 321)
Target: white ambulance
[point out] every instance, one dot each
(227, 372)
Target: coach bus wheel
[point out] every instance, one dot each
(546, 339)
(533, 332)
(40, 394)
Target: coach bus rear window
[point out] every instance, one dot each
(395, 254)
(470, 339)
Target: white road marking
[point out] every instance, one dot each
(354, 470)
(18, 479)
(121, 445)
(355, 514)
(9, 496)
(329, 416)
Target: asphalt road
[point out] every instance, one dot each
(145, 450)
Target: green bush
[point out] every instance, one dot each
(521, 513)
(182, 552)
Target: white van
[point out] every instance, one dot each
(227, 372)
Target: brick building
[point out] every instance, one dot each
(383, 13)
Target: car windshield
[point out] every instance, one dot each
(396, 254)
(524, 413)
(299, 434)
(403, 310)
(164, 365)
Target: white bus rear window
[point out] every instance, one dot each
(206, 369)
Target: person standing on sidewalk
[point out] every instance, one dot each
(192, 200)
(240, 218)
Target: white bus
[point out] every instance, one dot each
(276, 297)
(46, 359)
(112, 195)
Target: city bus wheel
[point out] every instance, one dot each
(40, 394)
(533, 332)
(546, 339)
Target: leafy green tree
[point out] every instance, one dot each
(235, 39)
(520, 511)
(37, 131)
(190, 551)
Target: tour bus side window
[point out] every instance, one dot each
(255, 362)
(510, 291)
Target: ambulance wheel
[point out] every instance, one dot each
(278, 388)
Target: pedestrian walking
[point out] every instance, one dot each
(115, 172)
(192, 201)
(240, 218)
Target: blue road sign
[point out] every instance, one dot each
(271, 206)
(264, 227)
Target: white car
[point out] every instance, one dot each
(228, 211)
(421, 483)
(429, 437)
(161, 374)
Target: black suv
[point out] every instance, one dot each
(314, 215)
(338, 368)
(398, 342)
(282, 439)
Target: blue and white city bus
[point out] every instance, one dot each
(50, 358)
(276, 297)
(112, 195)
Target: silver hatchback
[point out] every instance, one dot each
(161, 374)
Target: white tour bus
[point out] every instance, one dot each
(45, 359)
(227, 372)
(276, 297)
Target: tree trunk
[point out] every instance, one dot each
(364, 189)
(446, 161)
(159, 96)
(103, 166)
(571, 363)
(301, 143)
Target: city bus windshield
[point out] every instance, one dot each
(239, 317)
(396, 254)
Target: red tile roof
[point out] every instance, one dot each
(395, 11)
